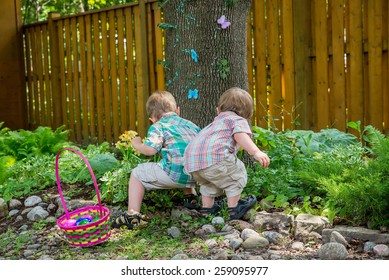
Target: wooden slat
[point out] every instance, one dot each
(39, 73)
(69, 78)
(90, 92)
(260, 64)
(98, 77)
(322, 98)
(48, 98)
(375, 103)
(385, 66)
(75, 76)
(130, 68)
(122, 73)
(338, 87)
(106, 84)
(113, 74)
(63, 74)
(288, 84)
(83, 80)
(275, 94)
(30, 87)
(35, 78)
(150, 26)
(142, 90)
(355, 103)
(302, 18)
(160, 74)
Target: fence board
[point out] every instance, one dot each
(375, 103)
(355, 103)
(260, 64)
(106, 91)
(321, 65)
(338, 87)
(275, 95)
(288, 85)
(83, 78)
(121, 71)
(89, 76)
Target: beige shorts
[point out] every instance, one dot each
(152, 177)
(228, 175)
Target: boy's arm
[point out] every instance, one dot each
(244, 140)
(138, 144)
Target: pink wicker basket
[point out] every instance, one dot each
(91, 233)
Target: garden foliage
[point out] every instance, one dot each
(331, 173)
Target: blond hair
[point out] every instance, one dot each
(159, 103)
(236, 100)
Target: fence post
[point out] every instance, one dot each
(55, 70)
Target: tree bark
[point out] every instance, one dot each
(192, 25)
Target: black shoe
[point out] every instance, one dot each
(243, 206)
(191, 201)
(130, 221)
(217, 206)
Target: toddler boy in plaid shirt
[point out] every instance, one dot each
(211, 157)
(169, 134)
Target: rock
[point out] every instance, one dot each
(180, 257)
(240, 224)
(332, 251)
(218, 221)
(381, 250)
(174, 232)
(235, 243)
(273, 237)
(37, 214)
(247, 233)
(358, 233)
(208, 229)
(211, 243)
(220, 254)
(279, 222)
(32, 201)
(307, 223)
(3, 208)
(368, 247)
(255, 242)
(298, 246)
(15, 204)
(13, 212)
(337, 237)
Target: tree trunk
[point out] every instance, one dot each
(192, 28)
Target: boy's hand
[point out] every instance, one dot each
(136, 141)
(262, 158)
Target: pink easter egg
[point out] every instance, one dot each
(69, 223)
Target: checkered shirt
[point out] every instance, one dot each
(170, 136)
(215, 141)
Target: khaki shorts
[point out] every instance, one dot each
(228, 175)
(152, 177)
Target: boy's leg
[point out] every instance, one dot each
(136, 192)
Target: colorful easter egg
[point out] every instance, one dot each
(69, 223)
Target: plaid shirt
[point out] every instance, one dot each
(215, 141)
(170, 136)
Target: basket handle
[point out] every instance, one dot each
(91, 173)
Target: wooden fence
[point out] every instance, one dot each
(312, 64)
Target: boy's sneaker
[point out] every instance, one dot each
(243, 206)
(191, 201)
(130, 221)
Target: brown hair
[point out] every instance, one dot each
(236, 100)
(159, 103)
